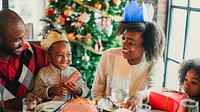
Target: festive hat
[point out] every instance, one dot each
(52, 37)
(135, 13)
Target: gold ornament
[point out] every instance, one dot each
(68, 12)
(79, 37)
(71, 37)
(88, 39)
(116, 2)
(85, 57)
(97, 5)
(73, 5)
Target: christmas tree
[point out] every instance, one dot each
(90, 26)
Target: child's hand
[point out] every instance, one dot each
(58, 90)
(72, 87)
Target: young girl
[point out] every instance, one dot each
(51, 80)
(189, 76)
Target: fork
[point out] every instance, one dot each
(114, 105)
(61, 106)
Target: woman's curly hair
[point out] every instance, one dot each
(187, 65)
(153, 37)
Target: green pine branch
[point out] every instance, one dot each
(79, 47)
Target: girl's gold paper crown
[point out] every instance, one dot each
(135, 13)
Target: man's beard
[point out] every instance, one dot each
(7, 50)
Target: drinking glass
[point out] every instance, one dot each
(1, 103)
(99, 108)
(120, 92)
(143, 108)
(28, 105)
(188, 105)
(119, 95)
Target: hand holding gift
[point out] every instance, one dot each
(70, 85)
(58, 90)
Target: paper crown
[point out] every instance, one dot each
(52, 37)
(135, 13)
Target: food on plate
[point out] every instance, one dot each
(42, 109)
(49, 106)
(122, 110)
(80, 105)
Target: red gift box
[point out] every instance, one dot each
(166, 100)
(74, 77)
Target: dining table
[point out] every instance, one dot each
(12, 110)
(55, 104)
(108, 102)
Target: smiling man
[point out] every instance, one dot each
(19, 60)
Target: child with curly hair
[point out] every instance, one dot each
(189, 77)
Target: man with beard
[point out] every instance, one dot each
(19, 60)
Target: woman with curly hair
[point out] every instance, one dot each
(138, 62)
(189, 77)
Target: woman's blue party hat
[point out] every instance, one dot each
(135, 13)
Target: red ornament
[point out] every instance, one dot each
(99, 44)
(49, 12)
(105, 22)
(62, 14)
(79, 23)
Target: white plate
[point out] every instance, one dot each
(122, 110)
(105, 105)
(49, 106)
